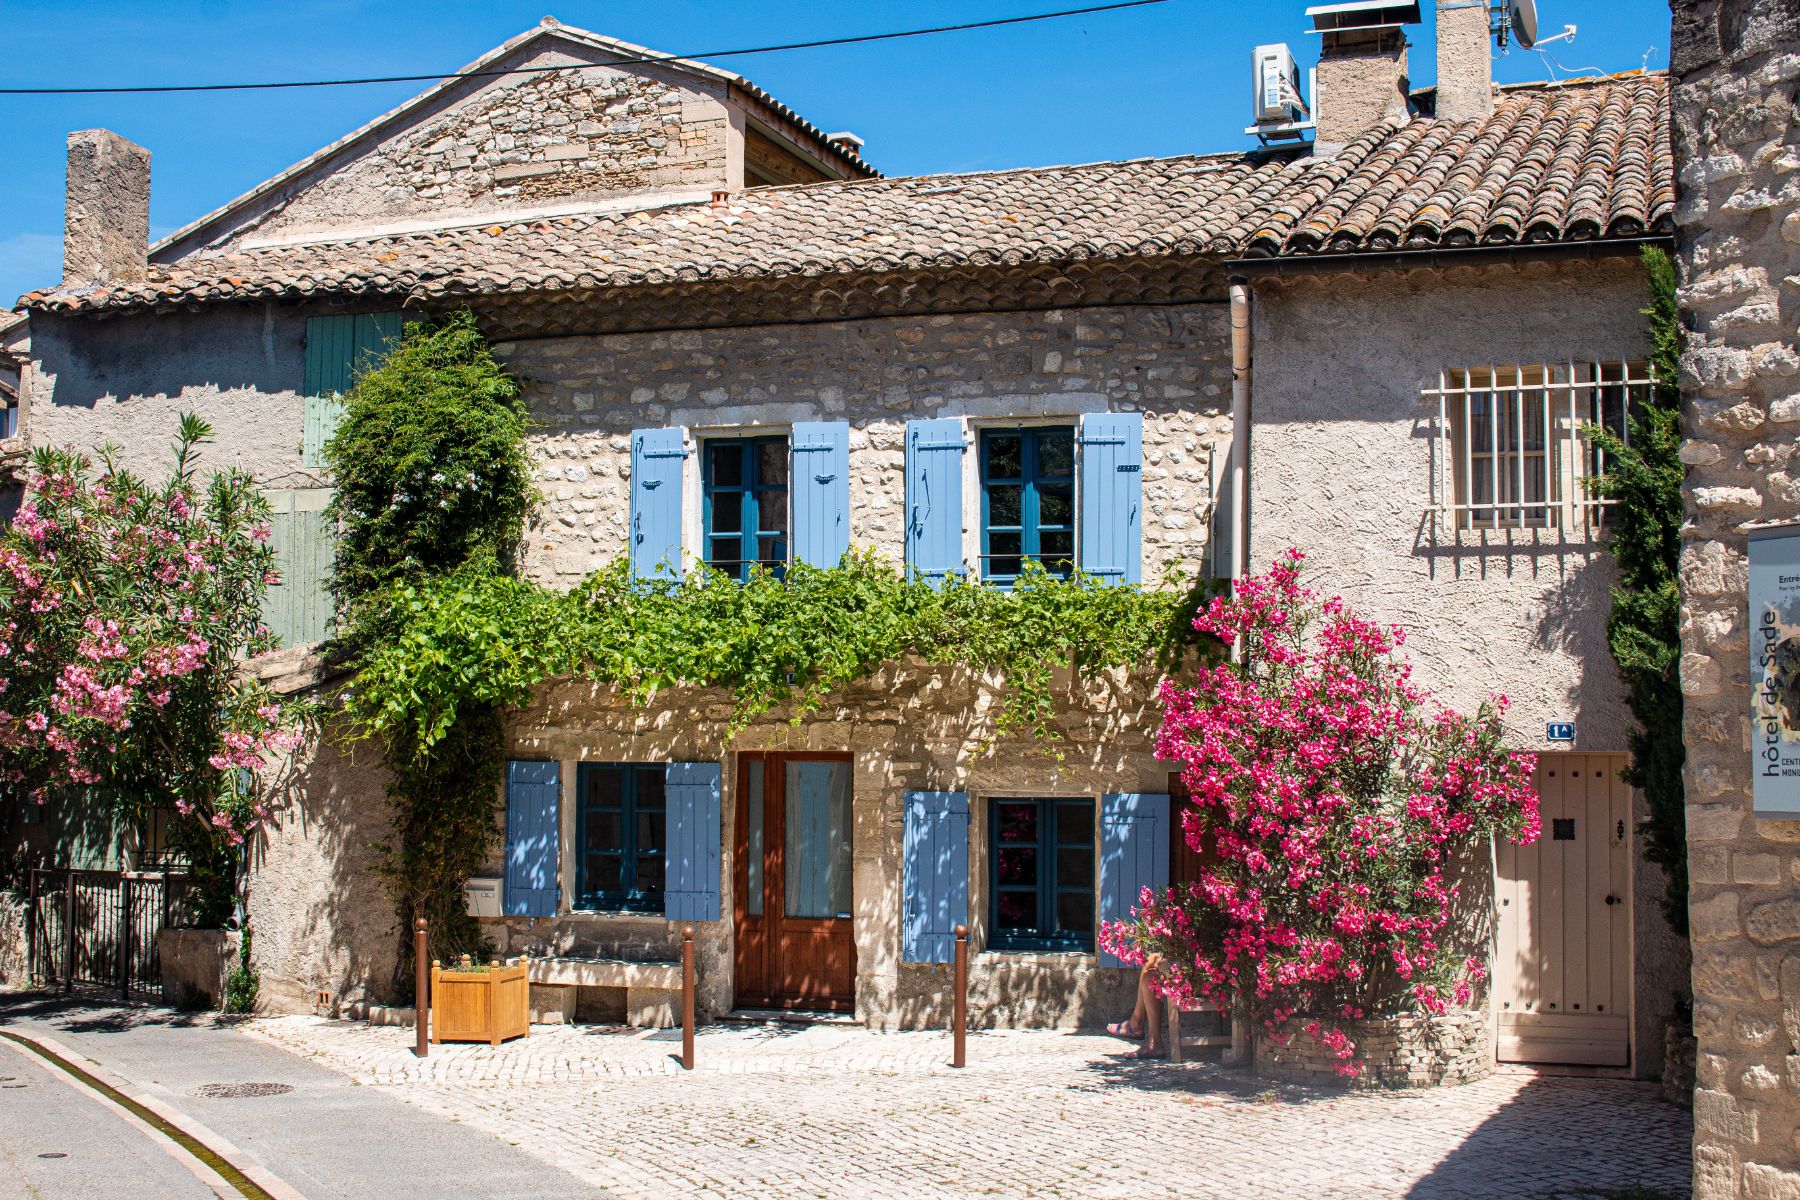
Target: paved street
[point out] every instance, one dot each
(832, 1111)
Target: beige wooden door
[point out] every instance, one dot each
(1562, 962)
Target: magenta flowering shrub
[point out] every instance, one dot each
(125, 610)
(1334, 804)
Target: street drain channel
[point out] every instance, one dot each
(241, 1091)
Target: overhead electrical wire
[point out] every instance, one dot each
(648, 58)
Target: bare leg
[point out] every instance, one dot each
(1150, 1005)
(1135, 1026)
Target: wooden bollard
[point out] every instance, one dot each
(687, 998)
(960, 1027)
(421, 992)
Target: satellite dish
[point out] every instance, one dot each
(1521, 16)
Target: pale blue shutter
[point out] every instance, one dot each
(1134, 853)
(821, 492)
(299, 608)
(691, 878)
(533, 837)
(339, 348)
(934, 496)
(1112, 497)
(657, 458)
(935, 875)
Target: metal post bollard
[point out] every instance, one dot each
(687, 998)
(421, 991)
(960, 1031)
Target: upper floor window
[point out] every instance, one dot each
(1043, 873)
(622, 824)
(1513, 449)
(1027, 500)
(744, 490)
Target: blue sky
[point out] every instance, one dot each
(1168, 79)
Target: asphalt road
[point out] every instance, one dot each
(325, 1136)
(98, 1155)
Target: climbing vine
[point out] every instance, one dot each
(1643, 630)
(433, 492)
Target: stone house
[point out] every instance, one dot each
(742, 344)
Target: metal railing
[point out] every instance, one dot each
(99, 928)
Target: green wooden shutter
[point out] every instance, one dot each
(299, 608)
(338, 350)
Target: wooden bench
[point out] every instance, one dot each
(652, 989)
(1211, 1039)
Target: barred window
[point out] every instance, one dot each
(1512, 447)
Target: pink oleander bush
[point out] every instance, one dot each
(126, 609)
(1334, 804)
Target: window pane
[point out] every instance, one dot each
(772, 511)
(602, 873)
(1004, 504)
(753, 884)
(605, 831)
(1074, 868)
(1003, 554)
(817, 846)
(604, 786)
(1075, 823)
(1056, 452)
(727, 512)
(1018, 866)
(1056, 551)
(1481, 422)
(1056, 505)
(1016, 910)
(1018, 822)
(650, 828)
(1075, 912)
(1004, 459)
(650, 781)
(727, 462)
(650, 875)
(772, 463)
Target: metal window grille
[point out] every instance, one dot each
(1512, 448)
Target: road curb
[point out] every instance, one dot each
(62, 1057)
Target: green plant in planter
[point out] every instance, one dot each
(243, 981)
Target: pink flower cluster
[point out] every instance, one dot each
(1334, 804)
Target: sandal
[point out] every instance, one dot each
(1149, 1052)
(1122, 1029)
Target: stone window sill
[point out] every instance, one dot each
(1038, 958)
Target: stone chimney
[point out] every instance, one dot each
(1361, 79)
(1465, 66)
(106, 221)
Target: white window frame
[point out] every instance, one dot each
(1543, 412)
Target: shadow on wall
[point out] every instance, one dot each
(169, 355)
(322, 920)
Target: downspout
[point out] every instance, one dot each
(1240, 428)
(1239, 1053)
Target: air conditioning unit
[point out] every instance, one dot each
(483, 897)
(1277, 100)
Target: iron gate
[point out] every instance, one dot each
(99, 928)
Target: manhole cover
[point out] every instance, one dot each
(240, 1091)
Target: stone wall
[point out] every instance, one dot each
(15, 961)
(1395, 1052)
(1737, 131)
(588, 394)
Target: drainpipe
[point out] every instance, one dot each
(1240, 428)
(1239, 1053)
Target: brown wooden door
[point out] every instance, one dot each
(1562, 962)
(794, 948)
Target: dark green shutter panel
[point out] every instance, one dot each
(338, 350)
(299, 608)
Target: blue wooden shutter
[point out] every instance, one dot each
(935, 875)
(533, 837)
(1112, 497)
(934, 496)
(1134, 853)
(657, 458)
(338, 350)
(691, 881)
(821, 492)
(299, 609)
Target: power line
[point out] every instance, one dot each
(648, 58)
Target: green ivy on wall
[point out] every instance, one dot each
(1643, 629)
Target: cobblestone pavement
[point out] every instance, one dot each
(836, 1111)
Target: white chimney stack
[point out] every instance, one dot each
(106, 218)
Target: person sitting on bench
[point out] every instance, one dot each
(1146, 1022)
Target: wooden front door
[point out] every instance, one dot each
(1562, 962)
(794, 948)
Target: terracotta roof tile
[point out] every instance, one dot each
(1574, 162)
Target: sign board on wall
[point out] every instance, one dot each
(1775, 671)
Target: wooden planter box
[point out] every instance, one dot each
(485, 1004)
